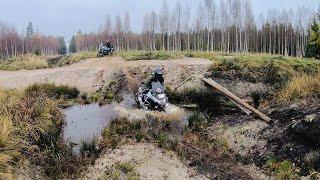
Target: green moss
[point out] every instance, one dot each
(95, 97)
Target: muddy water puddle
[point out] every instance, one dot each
(85, 122)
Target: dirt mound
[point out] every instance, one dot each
(175, 71)
(147, 162)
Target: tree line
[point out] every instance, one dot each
(215, 25)
(218, 25)
(14, 44)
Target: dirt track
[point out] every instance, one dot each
(90, 74)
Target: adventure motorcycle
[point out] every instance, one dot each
(105, 51)
(152, 99)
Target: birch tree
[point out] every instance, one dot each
(118, 30)
(127, 29)
(164, 24)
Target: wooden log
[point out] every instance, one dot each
(245, 110)
(236, 99)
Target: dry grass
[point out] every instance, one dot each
(53, 91)
(30, 62)
(76, 57)
(8, 147)
(256, 60)
(30, 126)
(24, 62)
(10, 143)
(300, 87)
(151, 55)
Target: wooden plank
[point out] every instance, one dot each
(233, 97)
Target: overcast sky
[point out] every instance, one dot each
(65, 17)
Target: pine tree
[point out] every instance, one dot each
(313, 48)
(62, 46)
(30, 30)
(72, 45)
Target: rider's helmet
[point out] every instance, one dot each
(158, 73)
(107, 44)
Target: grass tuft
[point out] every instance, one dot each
(53, 91)
(8, 147)
(197, 121)
(88, 149)
(119, 129)
(30, 127)
(283, 170)
(300, 87)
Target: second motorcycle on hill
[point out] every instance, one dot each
(105, 50)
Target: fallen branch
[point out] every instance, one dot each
(186, 80)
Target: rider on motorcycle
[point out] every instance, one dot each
(151, 95)
(157, 77)
(107, 44)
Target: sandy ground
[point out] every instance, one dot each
(91, 74)
(149, 162)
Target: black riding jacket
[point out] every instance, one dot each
(154, 79)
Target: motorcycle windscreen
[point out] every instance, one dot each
(156, 86)
(104, 48)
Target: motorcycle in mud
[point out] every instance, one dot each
(153, 99)
(105, 51)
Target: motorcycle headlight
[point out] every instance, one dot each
(161, 96)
